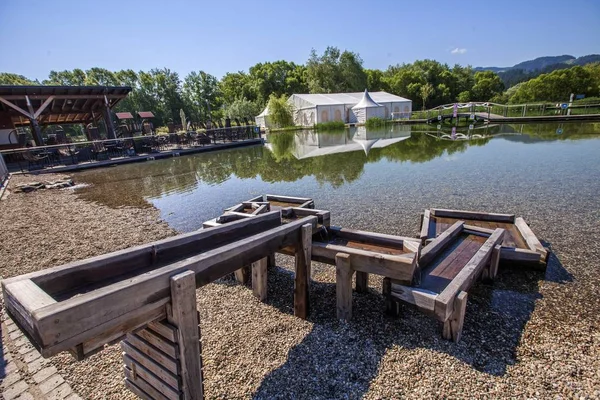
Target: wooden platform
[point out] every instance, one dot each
(519, 245)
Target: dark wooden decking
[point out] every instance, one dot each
(512, 237)
(376, 248)
(446, 266)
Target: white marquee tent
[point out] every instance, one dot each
(367, 108)
(263, 119)
(310, 109)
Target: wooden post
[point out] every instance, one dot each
(392, 307)
(185, 317)
(302, 278)
(495, 261)
(36, 132)
(259, 279)
(110, 128)
(271, 261)
(454, 325)
(343, 286)
(242, 275)
(362, 282)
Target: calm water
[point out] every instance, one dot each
(364, 176)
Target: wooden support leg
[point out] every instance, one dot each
(362, 281)
(392, 307)
(491, 270)
(302, 278)
(259, 278)
(185, 318)
(271, 261)
(242, 275)
(454, 325)
(343, 286)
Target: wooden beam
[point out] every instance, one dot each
(43, 106)
(362, 282)
(302, 278)
(381, 239)
(64, 96)
(15, 107)
(423, 299)
(425, 225)
(259, 279)
(472, 215)
(453, 327)
(343, 286)
(430, 251)
(185, 317)
(532, 240)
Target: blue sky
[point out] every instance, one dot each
(224, 36)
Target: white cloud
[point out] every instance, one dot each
(458, 51)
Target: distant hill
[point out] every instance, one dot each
(530, 69)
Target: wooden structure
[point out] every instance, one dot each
(47, 105)
(519, 245)
(449, 265)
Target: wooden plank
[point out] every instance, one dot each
(185, 317)
(259, 279)
(425, 225)
(323, 217)
(401, 268)
(495, 261)
(139, 392)
(462, 214)
(136, 370)
(231, 216)
(261, 209)
(343, 286)
(303, 271)
(158, 356)
(164, 329)
(453, 327)
(521, 255)
(478, 230)
(362, 282)
(429, 252)
(466, 277)
(391, 305)
(157, 369)
(373, 237)
(287, 199)
(256, 199)
(424, 300)
(167, 347)
(89, 310)
(532, 240)
(242, 275)
(413, 246)
(25, 297)
(307, 204)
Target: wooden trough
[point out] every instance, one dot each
(519, 245)
(449, 265)
(284, 203)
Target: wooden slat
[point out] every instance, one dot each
(532, 240)
(261, 209)
(287, 199)
(157, 369)
(259, 279)
(478, 229)
(462, 214)
(425, 225)
(424, 300)
(464, 280)
(185, 317)
(373, 237)
(152, 352)
(453, 327)
(362, 282)
(430, 251)
(343, 285)
(522, 255)
(167, 347)
(89, 310)
(303, 271)
(152, 380)
(164, 329)
(139, 392)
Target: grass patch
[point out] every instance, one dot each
(375, 122)
(330, 126)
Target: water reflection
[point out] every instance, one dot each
(336, 159)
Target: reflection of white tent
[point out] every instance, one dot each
(367, 108)
(263, 119)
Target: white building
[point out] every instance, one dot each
(350, 108)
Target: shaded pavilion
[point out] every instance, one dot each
(37, 106)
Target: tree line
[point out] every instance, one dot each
(203, 96)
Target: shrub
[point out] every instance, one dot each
(330, 126)
(375, 122)
(280, 111)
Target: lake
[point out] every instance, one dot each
(371, 178)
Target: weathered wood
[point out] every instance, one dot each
(287, 199)
(343, 286)
(152, 380)
(423, 299)
(466, 277)
(242, 275)
(495, 261)
(323, 217)
(482, 216)
(474, 230)
(453, 327)
(271, 261)
(30, 298)
(152, 352)
(430, 251)
(185, 317)
(138, 391)
(401, 268)
(522, 255)
(362, 282)
(425, 225)
(99, 307)
(259, 279)
(303, 271)
(157, 369)
(391, 306)
(381, 239)
(164, 329)
(231, 216)
(167, 347)
(532, 240)
(261, 209)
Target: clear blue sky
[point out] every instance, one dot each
(221, 36)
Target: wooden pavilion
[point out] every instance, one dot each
(49, 105)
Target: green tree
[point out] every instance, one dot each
(280, 111)
(202, 95)
(426, 91)
(6, 78)
(235, 85)
(241, 108)
(375, 80)
(335, 71)
(279, 77)
(487, 85)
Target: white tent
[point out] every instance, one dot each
(367, 108)
(262, 120)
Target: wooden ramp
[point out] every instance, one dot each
(519, 245)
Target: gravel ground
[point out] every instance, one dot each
(530, 335)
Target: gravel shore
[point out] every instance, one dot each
(530, 335)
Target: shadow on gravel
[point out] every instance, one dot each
(339, 360)
(3, 360)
